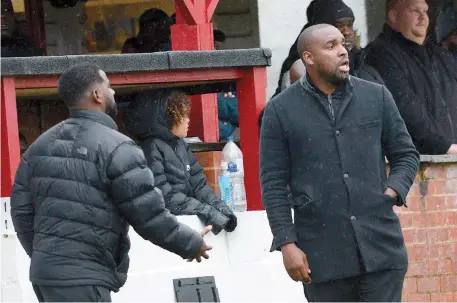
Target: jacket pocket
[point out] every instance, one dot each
(369, 124)
(308, 224)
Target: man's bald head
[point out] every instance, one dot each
(308, 37)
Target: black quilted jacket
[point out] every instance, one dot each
(77, 189)
(176, 171)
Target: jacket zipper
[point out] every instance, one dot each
(332, 113)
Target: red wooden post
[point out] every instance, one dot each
(193, 31)
(251, 93)
(10, 152)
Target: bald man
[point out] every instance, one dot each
(324, 138)
(421, 76)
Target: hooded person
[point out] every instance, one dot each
(159, 119)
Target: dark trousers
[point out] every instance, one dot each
(384, 286)
(72, 294)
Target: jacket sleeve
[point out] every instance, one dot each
(274, 177)
(177, 202)
(399, 149)
(22, 208)
(141, 203)
(425, 130)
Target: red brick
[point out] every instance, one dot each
(410, 285)
(406, 219)
(415, 236)
(418, 297)
(415, 203)
(451, 186)
(449, 283)
(440, 267)
(438, 187)
(435, 203)
(418, 269)
(414, 191)
(437, 235)
(442, 297)
(451, 202)
(441, 251)
(453, 234)
(428, 284)
(436, 172)
(212, 175)
(455, 297)
(209, 159)
(418, 252)
(451, 172)
(452, 218)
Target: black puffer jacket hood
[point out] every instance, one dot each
(146, 116)
(176, 171)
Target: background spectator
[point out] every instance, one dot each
(160, 121)
(421, 76)
(446, 28)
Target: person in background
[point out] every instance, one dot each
(154, 34)
(15, 43)
(23, 144)
(345, 242)
(338, 14)
(446, 28)
(421, 76)
(77, 189)
(160, 120)
(131, 46)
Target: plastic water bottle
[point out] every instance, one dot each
(233, 157)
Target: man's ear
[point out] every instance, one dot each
(97, 96)
(392, 16)
(308, 58)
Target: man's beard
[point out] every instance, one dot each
(111, 109)
(336, 78)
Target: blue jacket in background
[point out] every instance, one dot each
(228, 115)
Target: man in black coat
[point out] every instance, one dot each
(421, 76)
(324, 137)
(78, 188)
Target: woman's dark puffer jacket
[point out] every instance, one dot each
(176, 171)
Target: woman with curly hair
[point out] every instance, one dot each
(160, 120)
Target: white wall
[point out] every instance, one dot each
(243, 267)
(280, 22)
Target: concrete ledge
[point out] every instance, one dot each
(438, 159)
(55, 65)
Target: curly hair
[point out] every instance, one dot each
(178, 108)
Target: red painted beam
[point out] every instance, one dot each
(195, 12)
(10, 152)
(251, 93)
(213, 74)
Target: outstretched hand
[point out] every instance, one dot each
(203, 251)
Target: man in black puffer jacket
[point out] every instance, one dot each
(77, 189)
(160, 119)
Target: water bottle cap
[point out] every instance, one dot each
(229, 138)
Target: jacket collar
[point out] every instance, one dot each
(96, 116)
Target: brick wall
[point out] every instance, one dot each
(430, 231)
(211, 162)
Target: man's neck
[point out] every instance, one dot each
(325, 87)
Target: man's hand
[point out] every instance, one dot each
(204, 248)
(452, 150)
(296, 263)
(390, 192)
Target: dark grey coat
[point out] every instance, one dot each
(77, 189)
(176, 171)
(331, 156)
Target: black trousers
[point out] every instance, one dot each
(72, 294)
(384, 286)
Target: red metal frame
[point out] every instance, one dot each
(10, 152)
(194, 31)
(197, 34)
